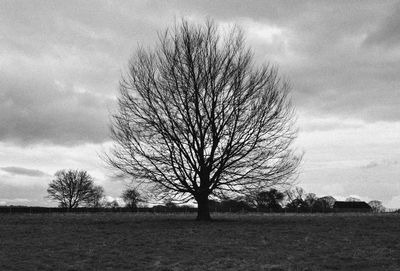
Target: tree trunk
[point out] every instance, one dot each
(203, 211)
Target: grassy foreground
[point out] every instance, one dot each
(125, 241)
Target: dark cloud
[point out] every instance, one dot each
(387, 33)
(332, 73)
(322, 52)
(36, 110)
(63, 63)
(24, 171)
(62, 60)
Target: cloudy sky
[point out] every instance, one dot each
(61, 61)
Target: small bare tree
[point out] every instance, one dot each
(131, 197)
(197, 118)
(266, 200)
(377, 206)
(74, 188)
(327, 201)
(296, 199)
(96, 198)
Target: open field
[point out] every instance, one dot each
(125, 241)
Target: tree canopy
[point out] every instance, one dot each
(131, 197)
(74, 188)
(197, 117)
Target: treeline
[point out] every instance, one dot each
(156, 209)
(75, 191)
(274, 201)
(294, 200)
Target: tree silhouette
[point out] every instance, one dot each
(112, 204)
(197, 117)
(376, 206)
(328, 201)
(296, 199)
(96, 198)
(311, 200)
(131, 197)
(267, 200)
(324, 204)
(72, 188)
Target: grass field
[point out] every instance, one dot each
(127, 241)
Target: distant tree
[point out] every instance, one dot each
(269, 200)
(294, 193)
(236, 204)
(170, 204)
(159, 208)
(298, 205)
(376, 206)
(311, 201)
(96, 198)
(131, 197)
(328, 201)
(73, 188)
(112, 204)
(197, 118)
(324, 204)
(296, 200)
(352, 199)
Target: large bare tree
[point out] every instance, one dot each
(197, 117)
(74, 188)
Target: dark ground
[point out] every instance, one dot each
(128, 241)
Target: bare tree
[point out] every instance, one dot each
(112, 204)
(376, 206)
(327, 201)
(295, 193)
(73, 188)
(169, 203)
(267, 200)
(96, 198)
(323, 204)
(197, 118)
(311, 200)
(131, 197)
(296, 199)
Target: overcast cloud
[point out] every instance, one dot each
(61, 61)
(23, 171)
